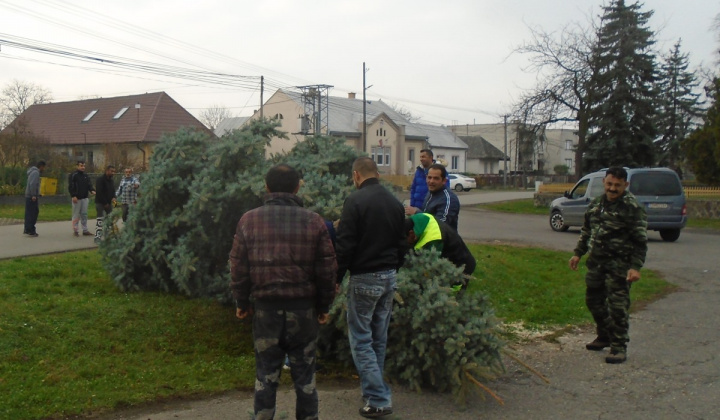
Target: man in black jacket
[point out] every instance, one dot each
(426, 232)
(370, 244)
(80, 187)
(104, 199)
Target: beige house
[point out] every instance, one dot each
(391, 140)
(554, 146)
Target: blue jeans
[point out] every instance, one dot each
(370, 299)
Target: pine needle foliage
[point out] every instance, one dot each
(438, 338)
(178, 237)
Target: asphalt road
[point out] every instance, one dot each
(672, 372)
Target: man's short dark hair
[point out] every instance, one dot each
(80, 162)
(107, 168)
(40, 163)
(440, 167)
(365, 166)
(428, 151)
(282, 178)
(618, 172)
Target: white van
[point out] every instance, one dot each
(658, 189)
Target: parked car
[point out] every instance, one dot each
(461, 182)
(657, 189)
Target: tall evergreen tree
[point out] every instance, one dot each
(680, 108)
(623, 111)
(702, 147)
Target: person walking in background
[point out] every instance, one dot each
(104, 199)
(370, 244)
(32, 197)
(282, 256)
(127, 192)
(615, 238)
(80, 188)
(441, 202)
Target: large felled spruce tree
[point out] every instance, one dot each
(623, 112)
(178, 237)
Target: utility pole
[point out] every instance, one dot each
(262, 90)
(505, 157)
(364, 131)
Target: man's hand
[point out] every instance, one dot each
(34, 198)
(632, 275)
(410, 210)
(573, 263)
(74, 199)
(323, 318)
(240, 314)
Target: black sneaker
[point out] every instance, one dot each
(372, 412)
(598, 344)
(76, 234)
(616, 357)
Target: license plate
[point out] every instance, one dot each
(657, 205)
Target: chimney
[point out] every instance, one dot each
(351, 95)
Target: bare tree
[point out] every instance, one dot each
(17, 96)
(405, 113)
(563, 63)
(212, 116)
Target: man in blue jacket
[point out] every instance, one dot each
(440, 201)
(419, 188)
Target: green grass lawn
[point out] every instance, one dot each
(72, 343)
(536, 287)
(48, 212)
(527, 207)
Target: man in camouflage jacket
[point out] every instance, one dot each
(615, 238)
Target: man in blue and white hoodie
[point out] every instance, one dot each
(440, 201)
(32, 195)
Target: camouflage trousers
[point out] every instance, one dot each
(277, 333)
(608, 298)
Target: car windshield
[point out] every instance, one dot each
(580, 189)
(655, 183)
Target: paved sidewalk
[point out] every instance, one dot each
(54, 237)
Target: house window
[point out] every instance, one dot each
(568, 163)
(380, 132)
(381, 155)
(120, 113)
(411, 155)
(455, 162)
(568, 144)
(90, 115)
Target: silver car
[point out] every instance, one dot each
(658, 189)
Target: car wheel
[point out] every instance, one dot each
(670, 235)
(458, 187)
(557, 223)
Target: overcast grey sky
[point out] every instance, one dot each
(448, 62)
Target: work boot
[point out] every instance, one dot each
(598, 344)
(616, 356)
